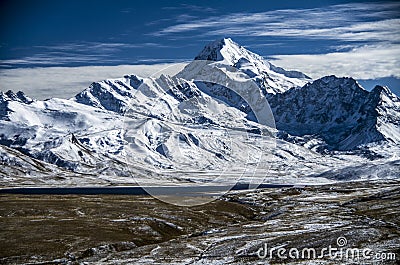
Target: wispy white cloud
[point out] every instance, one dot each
(65, 82)
(185, 18)
(76, 53)
(349, 22)
(193, 8)
(54, 58)
(378, 31)
(366, 35)
(99, 46)
(366, 62)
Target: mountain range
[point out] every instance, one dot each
(181, 129)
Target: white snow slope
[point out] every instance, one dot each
(181, 129)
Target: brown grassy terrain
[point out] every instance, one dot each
(142, 230)
(46, 227)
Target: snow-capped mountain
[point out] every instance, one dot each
(95, 139)
(339, 111)
(269, 78)
(116, 95)
(186, 129)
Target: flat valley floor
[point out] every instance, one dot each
(122, 229)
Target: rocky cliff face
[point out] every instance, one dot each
(340, 111)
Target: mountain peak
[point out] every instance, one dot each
(340, 111)
(332, 82)
(271, 79)
(212, 51)
(228, 51)
(19, 96)
(384, 90)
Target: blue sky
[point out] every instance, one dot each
(359, 39)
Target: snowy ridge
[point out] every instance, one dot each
(184, 130)
(108, 94)
(19, 96)
(340, 111)
(388, 114)
(271, 79)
